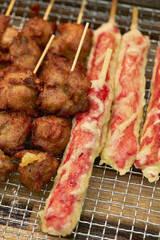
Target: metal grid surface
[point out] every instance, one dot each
(115, 207)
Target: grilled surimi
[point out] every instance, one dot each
(122, 140)
(148, 157)
(63, 207)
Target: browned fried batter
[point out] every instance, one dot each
(18, 90)
(39, 30)
(66, 44)
(24, 52)
(6, 166)
(14, 130)
(64, 93)
(51, 133)
(7, 38)
(4, 20)
(34, 175)
(35, 9)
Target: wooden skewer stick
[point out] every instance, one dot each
(79, 19)
(10, 7)
(112, 15)
(79, 47)
(134, 24)
(43, 54)
(48, 10)
(105, 66)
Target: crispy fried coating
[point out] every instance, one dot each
(51, 133)
(34, 175)
(39, 30)
(18, 90)
(4, 20)
(14, 130)
(24, 52)
(7, 38)
(67, 42)
(64, 94)
(6, 166)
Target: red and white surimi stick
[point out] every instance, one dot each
(64, 204)
(122, 145)
(148, 158)
(106, 36)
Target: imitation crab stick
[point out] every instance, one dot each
(122, 140)
(148, 158)
(64, 204)
(106, 36)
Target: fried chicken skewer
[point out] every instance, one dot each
(122, 140)
(148, 159)
(67, 42)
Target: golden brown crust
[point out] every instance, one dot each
(4, 20)
(14, 130)
(6, 166)
(66, 44)
(64, 92)
(18, 90)
(36, 174)
(51, 133)
(24, 52)
(39, 30)
(7, 38)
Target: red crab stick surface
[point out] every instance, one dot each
(148, 158)
(106, 36)
(64, 204)
(122, 140)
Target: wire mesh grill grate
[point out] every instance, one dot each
(116, 207)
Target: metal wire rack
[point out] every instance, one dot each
(116, 207)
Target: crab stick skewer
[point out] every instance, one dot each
(122, 140)
(64, 204)
(148, 157)
(106, 36)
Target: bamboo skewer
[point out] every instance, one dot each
(105, 65)
(79, 47)
(79, 19)
(48, 10)
(134, 24)
(112, 15)
(10, 7)
(43, 54)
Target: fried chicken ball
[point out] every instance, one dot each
(51, 133)
(39, 30)
(64, 94)
(4, 20)
(6, 166)
(7, 38)
(66, 44)
(14, 130)
(24, 52)
(18, 90)
(36, 168)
